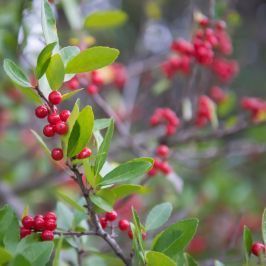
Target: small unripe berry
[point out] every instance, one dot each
(57, 154)
(48, 131)
(165, 168)
(28, 222)
(47, 235)
(55, 97)
(50, 224)
(85, 153)
(111, 216)
(123, 225)
(24, 232)
(61, 128)
(64, 115)
(39, 224)
(41, 111)
(92, 89)
(103, 222)
(53, 118)
(50, 216)
(258, 248)
(162, 151)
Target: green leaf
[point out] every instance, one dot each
(20, 260)
(104, 148)
(128, 171)
(247, 242)
(44, 59)
(8, 218)
(42, 143)
(105, 19)
(91, 59)
(100, 124)
(48, 23)
(37, 253)
(81, 132)
(158, 259)
(137, 236)
(71, 121)
(65, 198)
(175, 238)
(12, 237)
(122, 191)
(55, 72)
(68, 95)
(16, 74)
(158, 216)
(67, 53)
(5, 256)
(101, 203)
(263, 226)
(56, 261)
(88, 171)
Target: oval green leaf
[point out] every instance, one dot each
(91, 59)
(16, 74)
(55, 72)
(128, 171)
(158, 216)
(158, 259)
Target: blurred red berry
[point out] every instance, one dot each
(55, 97)
(123, 225)
(111, 216)
(47, 235)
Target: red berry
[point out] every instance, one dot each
(162, 151)
(73, 84)
(92, 89)
(111, 216)
(55, 97)
(28, 222)
(203, 22)
(53, 118)
(57, 154)
(258, 248)
(64, 115)
(85, 153)
(165, 168)
(123, 225)
(47, 235)
(130, 234)
(50, 216)
(38, 216)
(61, 128)
(24, 232)
(39, 224)
(103, 222)
(50, 224)
(48, 131)
(152, 172)
(96, 79)
(41, 111)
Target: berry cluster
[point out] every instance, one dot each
(167, 117)
(160, 163)
(44, 224)
(57, 121)
(114, 74)
(258, 249)
(256, 107)
(122, 224)
(209, 42)
(205, 111)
